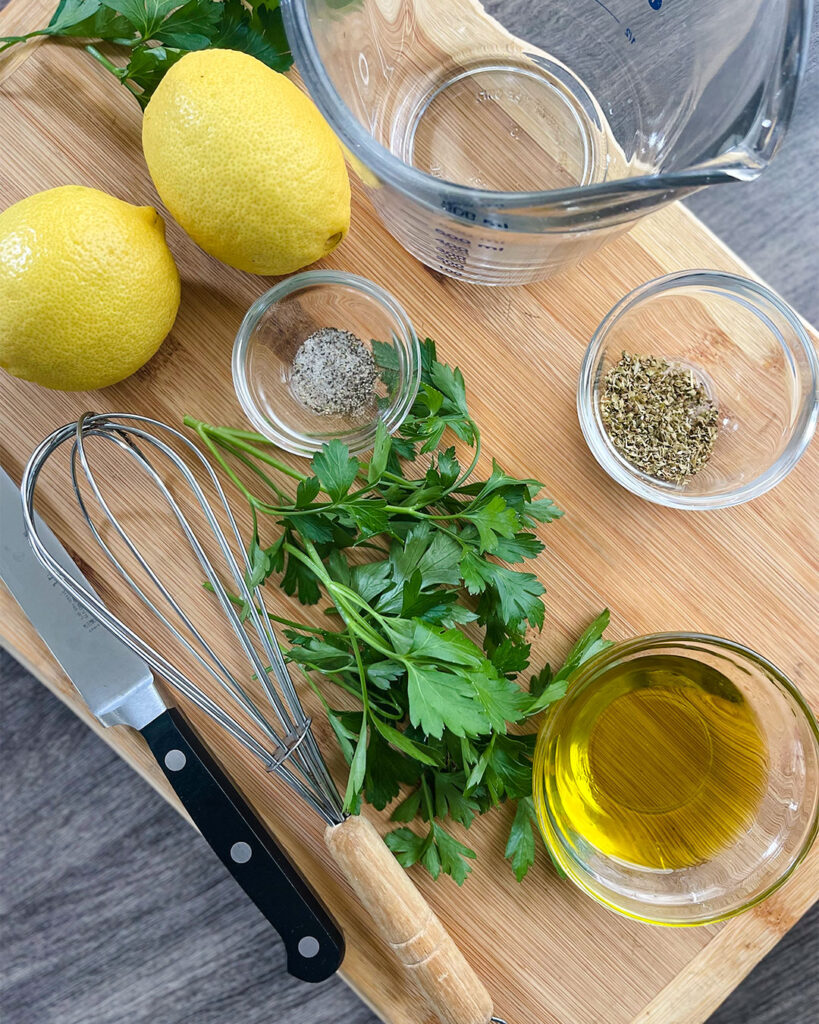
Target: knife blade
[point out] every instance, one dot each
(115, 683)
(119, 689)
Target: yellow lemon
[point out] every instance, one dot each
(88, 288)
(246, 163)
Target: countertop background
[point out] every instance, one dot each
(113, 910)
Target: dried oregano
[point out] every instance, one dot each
(659, 417)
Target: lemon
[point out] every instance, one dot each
(246, 163)
(88, 288)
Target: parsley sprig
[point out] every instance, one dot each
(157, 33)
(426, 627)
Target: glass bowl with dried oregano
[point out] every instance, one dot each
(699, 390)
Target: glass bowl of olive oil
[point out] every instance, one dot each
(678, 780)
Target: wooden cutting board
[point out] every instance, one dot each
(546, 952)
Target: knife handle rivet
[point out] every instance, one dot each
(175, 760)
(240, 853)
(309, 947)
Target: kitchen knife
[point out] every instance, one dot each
(119, 689)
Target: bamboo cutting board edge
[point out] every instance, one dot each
(733, 948)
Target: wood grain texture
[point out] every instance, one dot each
(582, 977)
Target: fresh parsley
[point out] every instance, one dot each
(157, 33)
(426, 629)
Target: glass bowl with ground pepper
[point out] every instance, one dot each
(699, 390)
(325, 355)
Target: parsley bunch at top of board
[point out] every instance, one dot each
(426, 629)
(155, 34)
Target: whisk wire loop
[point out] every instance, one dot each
(217, 669)
(294, 755)
(201, 556)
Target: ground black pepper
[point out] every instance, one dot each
(333, 373)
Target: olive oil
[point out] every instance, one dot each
(659, 763)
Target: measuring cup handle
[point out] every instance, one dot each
(407, 923)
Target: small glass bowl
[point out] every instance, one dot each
(759, 859)
(276, 325)
(755, 360)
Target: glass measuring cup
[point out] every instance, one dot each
(498, 160)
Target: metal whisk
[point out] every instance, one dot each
(284, 742)
(291, 751)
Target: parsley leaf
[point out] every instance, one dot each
(145, 15)
(545, 688)
(148, 66)
(158, 33)
(439, 699)
(336, 469)
(88, 19)
(452, 854)
(358, 767)
(450, 799)
(438, 851)
(369, 515)
(259, 32)
(307, 491)
(435, 555)
(190, 27)
(518, 548)
(542, 510)
(493, 520)
(408, 847)
(520, 849)
(381, 453)
(408, 808)
(403, 742)
(518, 593)
(415, 639)
(501, 699)
(301, 581)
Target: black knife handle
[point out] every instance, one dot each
(313, 940)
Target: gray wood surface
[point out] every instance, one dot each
(114, 911)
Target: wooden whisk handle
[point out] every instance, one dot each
(407, 923)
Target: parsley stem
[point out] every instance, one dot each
(386, 475)
(452, 534)
(418, 514)
(340, 682)
(477, 454)
(427, 798)
(245, 435)
(214, 450)
(362, 675)
(291, 510)
(251, 465)
(315, 688)
(343, 598)
(9, 41)
(118, 73)
(282, 467)
(235, 599)
(240, 438)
